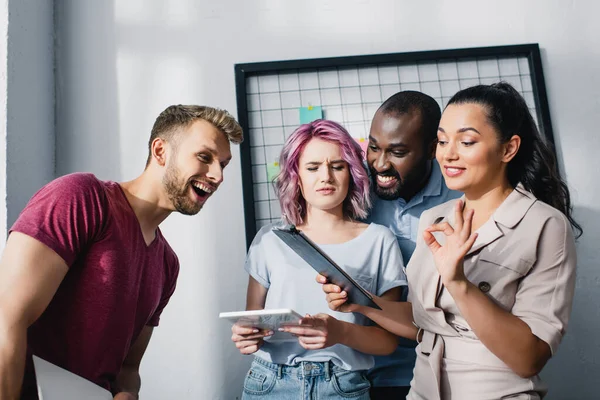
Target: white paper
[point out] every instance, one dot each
(55, 383)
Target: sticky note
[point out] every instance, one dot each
(310, 113)
(272, 171)
(363, 143)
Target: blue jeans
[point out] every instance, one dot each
(305, 381)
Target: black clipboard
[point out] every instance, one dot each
(310, 252)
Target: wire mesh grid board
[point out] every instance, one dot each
(272, 97)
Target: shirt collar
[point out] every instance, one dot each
(510, 212)
(514, 207)
(432, 188)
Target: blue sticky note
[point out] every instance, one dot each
(309, 114)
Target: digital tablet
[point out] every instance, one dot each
(266, 319)
(316, 258)
(263, 319)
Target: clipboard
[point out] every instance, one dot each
(310, 252)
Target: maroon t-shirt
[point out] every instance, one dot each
(115, 285)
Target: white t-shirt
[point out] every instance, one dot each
(373, 259)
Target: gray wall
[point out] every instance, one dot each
(30, 140)
(3, 90)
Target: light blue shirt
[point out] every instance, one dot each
(403, 220)
(373, 259)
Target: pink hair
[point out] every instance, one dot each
(287, 184)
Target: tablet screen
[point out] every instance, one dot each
(324, 265)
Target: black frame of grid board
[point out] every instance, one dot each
(246, 70)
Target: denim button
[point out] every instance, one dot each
(484, 287)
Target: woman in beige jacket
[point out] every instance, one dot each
(492, 278)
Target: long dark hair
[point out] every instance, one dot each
(534, 165)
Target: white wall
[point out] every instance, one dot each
(120, 63)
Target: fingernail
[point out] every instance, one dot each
(280, 329)
(255, 331)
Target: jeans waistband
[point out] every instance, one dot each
(302, 369)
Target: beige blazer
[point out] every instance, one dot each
(523, 259)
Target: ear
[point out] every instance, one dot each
(300, 187)
(431, 147)
(511, 148)
(159, 151)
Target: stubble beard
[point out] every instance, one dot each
(178, 192)
(392, 193)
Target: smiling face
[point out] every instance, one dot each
(469, 151)
(324, 176)
(398, 156)
(195, 169)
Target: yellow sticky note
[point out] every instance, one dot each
(272, 171)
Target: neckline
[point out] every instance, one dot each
(139, 227)
(431, 188)
(364, 232)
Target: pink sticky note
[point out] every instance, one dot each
(363, 143)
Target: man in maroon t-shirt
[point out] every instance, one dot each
(86, 272)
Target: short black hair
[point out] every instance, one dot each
(409, 101)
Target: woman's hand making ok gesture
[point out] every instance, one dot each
(459, 240)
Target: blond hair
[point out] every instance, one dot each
(181, 116)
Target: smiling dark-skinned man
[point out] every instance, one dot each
(405, 181)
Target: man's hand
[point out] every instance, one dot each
(125, 396)
(128, 381)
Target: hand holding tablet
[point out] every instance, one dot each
(250, 327)
(336, 297)
(263, 319)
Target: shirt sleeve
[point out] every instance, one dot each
(173, 268)
(256, 260)
(392, 271)
(545, 296)
(65, 215)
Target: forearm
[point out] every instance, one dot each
(394, 316)
(128, 381)
(13, 345)
(505, 335)
(368, 339)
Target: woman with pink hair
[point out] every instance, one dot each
(323, 189)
